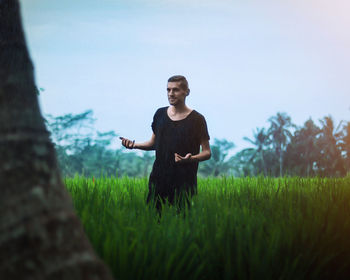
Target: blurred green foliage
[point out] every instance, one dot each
(281, 149)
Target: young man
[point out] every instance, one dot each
(178, 134)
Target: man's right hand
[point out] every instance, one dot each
(127, 143)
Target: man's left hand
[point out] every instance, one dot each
(180, 159)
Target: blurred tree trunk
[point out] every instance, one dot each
(40, 236)
(263, 162)
(281, 162)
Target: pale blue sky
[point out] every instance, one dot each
(244, 60)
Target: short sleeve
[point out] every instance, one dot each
(154, 122)
(153, 125)
(202, 129)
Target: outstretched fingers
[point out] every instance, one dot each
(179, 158)
(127, 143)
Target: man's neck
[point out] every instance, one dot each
(179, 109)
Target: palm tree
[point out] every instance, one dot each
(243, 166)
(345, 144)
(280, 135)
(308, 135)
(260, 140)
(302, 151)
(218, 163)
(331, 162)
(41, 237)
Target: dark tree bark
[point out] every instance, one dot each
(40, 236)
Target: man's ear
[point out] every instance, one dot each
(188, 92)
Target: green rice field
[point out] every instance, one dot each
(236, 228)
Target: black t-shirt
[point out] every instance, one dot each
(182, 137)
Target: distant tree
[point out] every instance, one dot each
(280, 135)
(218, 164)
(147, 160)
(40, 237)
(73, 132)
(243, 165)
(330, 162)
(260, 140)
(345, 145)
(79, 148)
(100, 160)
(96, 160)
(272, 162)
(302, 151)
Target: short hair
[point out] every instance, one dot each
(182, 80)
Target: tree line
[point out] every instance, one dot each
(308, 150)
(281, 149)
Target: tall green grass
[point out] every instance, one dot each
(237, 228)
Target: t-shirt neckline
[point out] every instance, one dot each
(166, 112)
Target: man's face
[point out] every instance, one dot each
(176, 94)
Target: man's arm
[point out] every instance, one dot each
(146, 146)
(205, 154)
